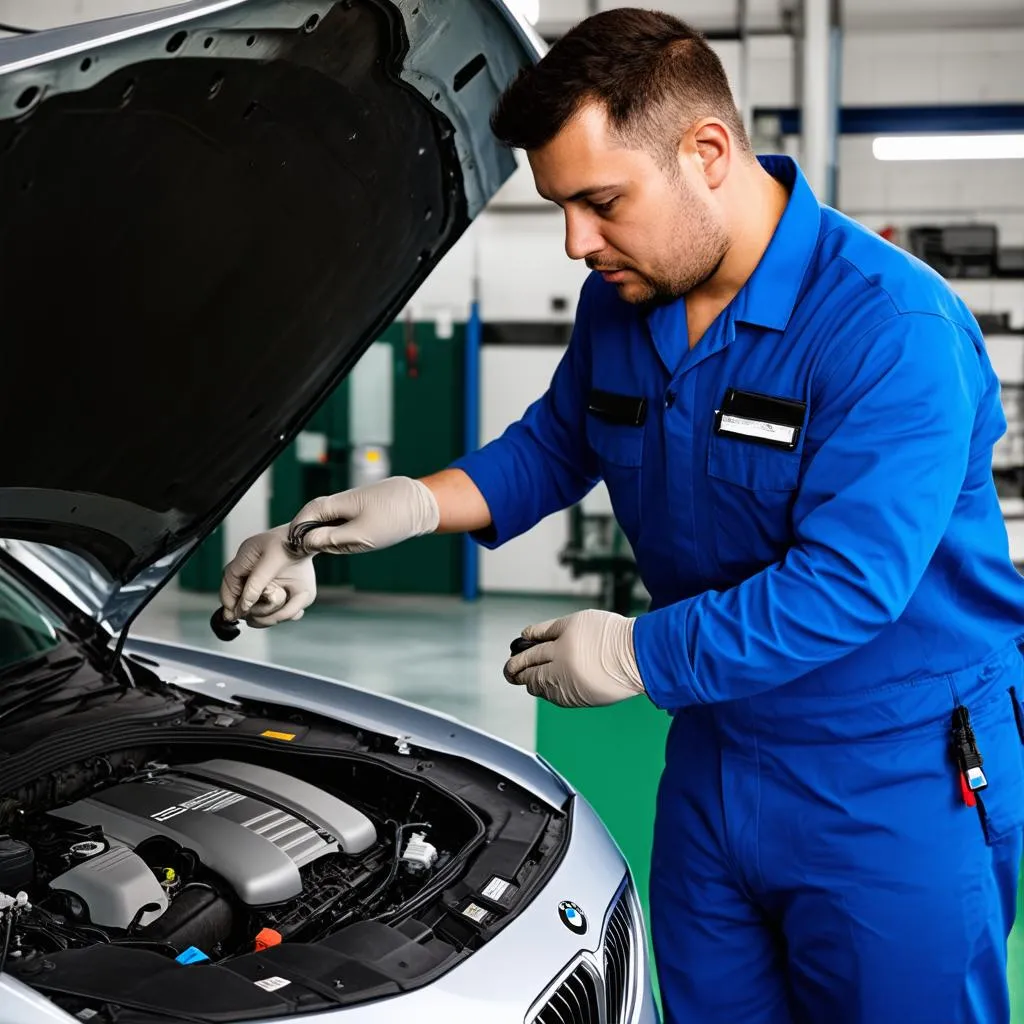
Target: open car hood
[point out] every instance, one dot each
(207, 213)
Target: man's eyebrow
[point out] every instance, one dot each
(584, 193)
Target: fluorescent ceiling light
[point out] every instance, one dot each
(949, 147)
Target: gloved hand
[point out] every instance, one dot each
(585, 660)
(265, 583)
(378, 516)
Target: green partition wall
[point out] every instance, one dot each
(428, 404)
(427, 435)
(293, 482)
(202, 571)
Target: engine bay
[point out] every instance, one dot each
(333, 866)
(171, 856)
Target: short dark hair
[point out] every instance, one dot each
(654, 74)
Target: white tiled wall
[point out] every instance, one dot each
(719, 15)
(710, 15)
(932, 67)
(879, 192)
(994, 297)
(513, 376)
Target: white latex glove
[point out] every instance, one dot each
(585, 660)
(265, 583)
(377, 516)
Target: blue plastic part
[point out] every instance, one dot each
(191, 956)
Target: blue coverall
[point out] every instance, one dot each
(820, 607)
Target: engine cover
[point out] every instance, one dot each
(253, 826)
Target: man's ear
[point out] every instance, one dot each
(711, 143)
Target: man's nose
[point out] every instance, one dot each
(582, 239)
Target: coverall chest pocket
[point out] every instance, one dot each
(752, 488)
(619, 449)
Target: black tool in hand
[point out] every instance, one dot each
(298, 533)
(223, 629)
(521, 643)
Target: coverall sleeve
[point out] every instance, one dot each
(894, 421)
(542, 462)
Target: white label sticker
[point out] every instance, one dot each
(272, 984)
(758, 428)
(496, 888)
(87, 1014)
(475, 913)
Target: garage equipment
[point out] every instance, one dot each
(957, 250)
(597, 547)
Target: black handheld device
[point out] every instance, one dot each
(521, 644)
(222, 629)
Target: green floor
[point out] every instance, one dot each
(1016, 968)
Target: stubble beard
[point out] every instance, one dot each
(700, 246)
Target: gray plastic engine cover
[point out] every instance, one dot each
(253, 826)
(114, 885)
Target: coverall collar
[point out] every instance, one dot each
(769, 295)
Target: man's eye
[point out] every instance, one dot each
(606, 207)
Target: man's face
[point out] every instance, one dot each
(652, 231)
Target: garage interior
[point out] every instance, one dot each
(847, 87)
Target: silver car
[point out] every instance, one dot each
(207, 213)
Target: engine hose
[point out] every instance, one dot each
(199, 885)
(55, 938)
(377, 894)
(77, 930)
(7, 939)
(70, 930)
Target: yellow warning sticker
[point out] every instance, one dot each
(271, 735)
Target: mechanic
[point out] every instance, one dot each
(795, 421)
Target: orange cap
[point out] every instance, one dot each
(267, 938)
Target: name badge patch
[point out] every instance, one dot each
(761, 418)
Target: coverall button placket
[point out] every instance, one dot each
(700, 369)
(666, 333)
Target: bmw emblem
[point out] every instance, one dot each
(572, 917)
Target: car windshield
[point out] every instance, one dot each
(27, 628)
